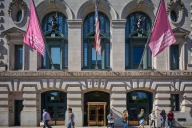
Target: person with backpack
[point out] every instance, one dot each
(163, 118)
(152, 118)
(71, 116)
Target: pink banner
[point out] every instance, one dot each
(162, 34)
(33, 36)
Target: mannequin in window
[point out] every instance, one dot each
(139, 23)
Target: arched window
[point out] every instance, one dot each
(135, 42)
(89, 54)
(57, 41)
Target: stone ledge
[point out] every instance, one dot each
(136, 73)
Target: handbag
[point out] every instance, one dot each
(124, 121)
(42, 124)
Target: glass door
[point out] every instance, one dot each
(60, 115)
(51, 111)
(96, 114)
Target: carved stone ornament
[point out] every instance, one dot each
(179, 8)
(14, 7)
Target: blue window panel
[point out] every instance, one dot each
(66, 55)
(137, 97)
(19, 15)
(60, 24)
(44, 58)
(107, 54)
(126, 54)
(91, 24)
(18, 56)
(137, 54)
(149, 59)
(174, 57)
(85, 55)
(55, 55)
(102, 24)
(127, 29)
(132, 23)
(99, 58)
(107, 28)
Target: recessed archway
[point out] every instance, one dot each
(137, 100)
(55, 102)
(96, 107)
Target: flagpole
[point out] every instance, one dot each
(52, 66)
(96, 65)
(149, 36)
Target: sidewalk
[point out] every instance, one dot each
(81, 127)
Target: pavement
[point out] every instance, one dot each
(82, 127)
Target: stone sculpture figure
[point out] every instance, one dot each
(139, 23)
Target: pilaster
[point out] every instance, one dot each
(118, 103)
(118, 45)
(4, 106)
(74, 45)
(30, 109)
(74, 101)
(162, 101)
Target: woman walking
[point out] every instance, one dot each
(141, 117)
(153, 117)
(125, 118)
(163, 118)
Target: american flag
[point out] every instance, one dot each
(97, 43)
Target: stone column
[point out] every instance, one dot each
(118, 103)
(30, 109)
(74, 101)
(74, 45)
(118, 45)
(162, 60)
(162, 101)
(4, 106)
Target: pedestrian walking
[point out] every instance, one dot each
(46, 118)
(125, 118)
(141, 117)
(153, 117)
(163, 118)
(71, 116)
(170, 117)
(111, 119)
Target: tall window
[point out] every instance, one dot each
(135, 42)
(174, 102)
(57, 42)
(18, 57)
(89, 54)
(174, 57)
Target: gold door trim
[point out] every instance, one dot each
(94, 106)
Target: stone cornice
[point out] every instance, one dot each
(74, 23)
(118, 23)
(131, 74)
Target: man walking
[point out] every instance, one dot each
(46, 118)
(71, 116)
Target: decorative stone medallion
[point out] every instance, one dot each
(17, 10)
(176, 11)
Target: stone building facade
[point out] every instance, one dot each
(28, 84)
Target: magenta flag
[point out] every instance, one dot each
(33, 36)
(162, 34)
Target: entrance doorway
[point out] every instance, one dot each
(96, 108)
(18, 109)
(96, 113)
(55, 102)
(136, 101)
